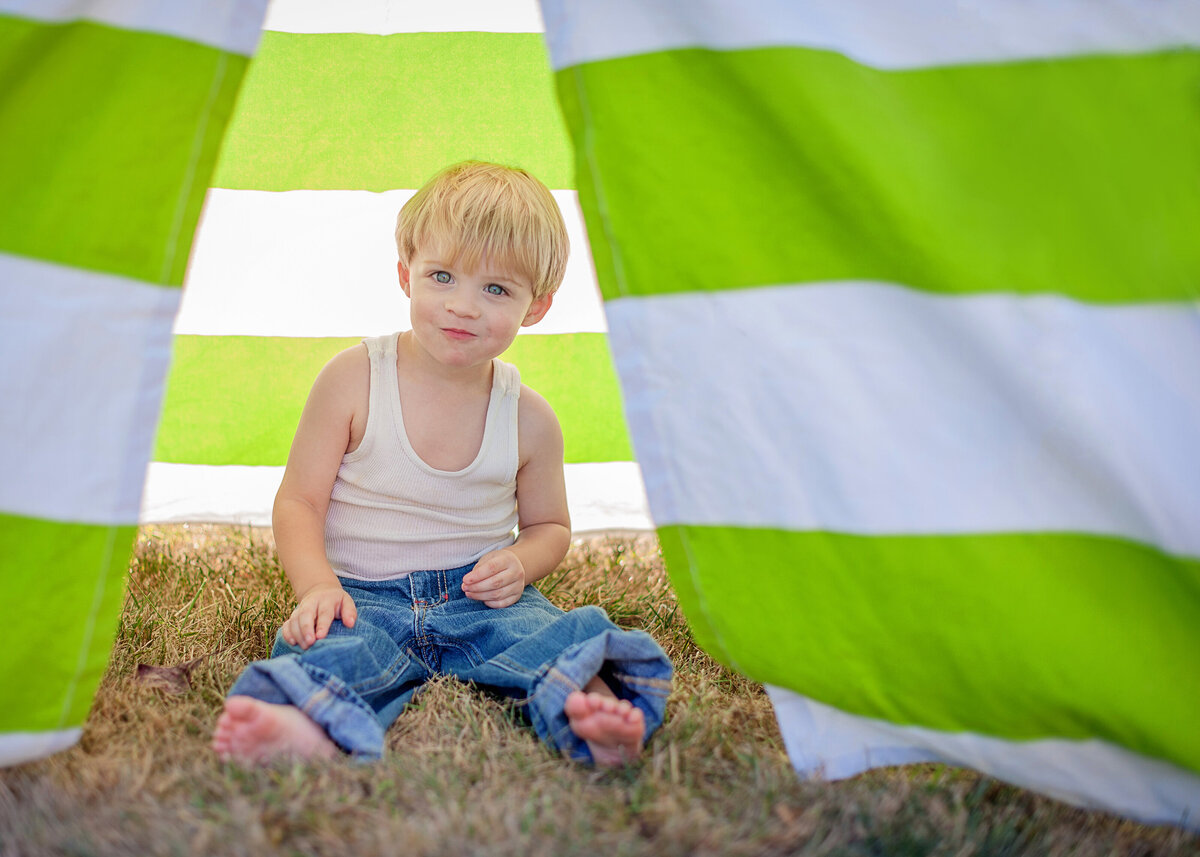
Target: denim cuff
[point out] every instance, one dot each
(639, 669)
(342, 713)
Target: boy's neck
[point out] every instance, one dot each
(420, 368)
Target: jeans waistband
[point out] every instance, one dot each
(426, 588)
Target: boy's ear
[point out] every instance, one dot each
(404, 275)
(537, 309)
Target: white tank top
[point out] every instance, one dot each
(391, 514)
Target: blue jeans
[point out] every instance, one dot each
(356, 681)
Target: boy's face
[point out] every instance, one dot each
(463, 317)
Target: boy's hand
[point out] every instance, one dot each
(316, 611)
(498, 579)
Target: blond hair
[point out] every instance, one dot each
(475, 210)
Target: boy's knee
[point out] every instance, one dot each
(592, 620)
(337, 631)
(593, 613)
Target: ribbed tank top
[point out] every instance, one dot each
(391, 514)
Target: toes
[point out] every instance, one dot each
(582, 704)
(578, 705)
(239, 709)
(611, 705)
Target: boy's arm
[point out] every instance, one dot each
(544, 534)
(334, 417)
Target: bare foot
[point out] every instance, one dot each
(612, 728)
(250, 730)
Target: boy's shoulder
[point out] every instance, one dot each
(349, 362)
(537, 419)
(347, 375)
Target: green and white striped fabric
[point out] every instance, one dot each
(111, 114)
(346, 110)
(903, 301)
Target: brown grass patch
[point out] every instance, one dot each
(463, 776)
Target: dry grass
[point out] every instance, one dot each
(462, 775)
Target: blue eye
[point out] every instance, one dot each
(442, 277)
(493, 289)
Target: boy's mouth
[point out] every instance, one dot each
(457, 333)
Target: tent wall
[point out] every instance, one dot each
(111, 115)
(903, 300)
(346, 110)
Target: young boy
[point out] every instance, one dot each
(416, 456)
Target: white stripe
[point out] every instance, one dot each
(198, 493)
(231, 25)
(85, 356)
(601, 496)
(825, 743)
(17, 748)
(873, 409)
(607, 495)
(385, 17)
(880, 33)
(323, 263)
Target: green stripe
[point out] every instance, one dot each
(363, 112)
(1018, 636)
(237, 399)
(575, 372)
(107, 141)
(727, 170)
(62, 574)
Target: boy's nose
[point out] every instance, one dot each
(462, 306)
